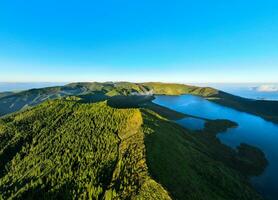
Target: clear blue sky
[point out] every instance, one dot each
(174, 41)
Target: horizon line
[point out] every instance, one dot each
(178, 82)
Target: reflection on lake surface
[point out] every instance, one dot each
(252, 130)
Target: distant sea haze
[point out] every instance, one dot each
(6, 87)
(253, 91)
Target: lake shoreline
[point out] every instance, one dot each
(199, 106)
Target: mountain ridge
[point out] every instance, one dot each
(16, 101)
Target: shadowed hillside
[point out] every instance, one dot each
(264, 108)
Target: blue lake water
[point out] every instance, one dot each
(252, 130)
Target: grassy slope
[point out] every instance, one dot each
(64, 148)
(178, 89)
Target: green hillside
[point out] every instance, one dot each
(95, 91)
(72, 149)
(65, 149)
(178, 89)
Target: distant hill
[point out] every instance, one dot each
(14, 102)
(70, 148)
(4, 94)
(99, 91)
(264, 108)
(179, 89)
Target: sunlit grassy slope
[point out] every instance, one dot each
(64, 150)
(178, 89)
(69, 149)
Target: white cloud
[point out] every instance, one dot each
(267, 88)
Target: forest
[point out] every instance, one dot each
(72, 148)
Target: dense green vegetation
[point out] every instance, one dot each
(72, 148)
(94, 91)
(178, 89)
(64, 149)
